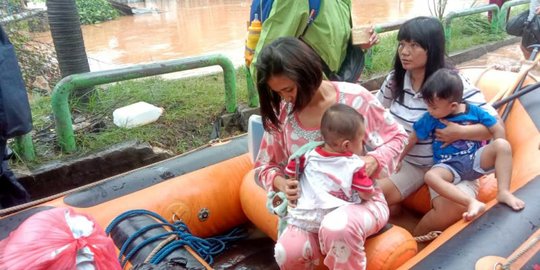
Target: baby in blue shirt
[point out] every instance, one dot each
(465, 159)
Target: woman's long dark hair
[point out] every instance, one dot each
(428, 32)
(289, 57)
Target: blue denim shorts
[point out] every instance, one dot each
(465, 167)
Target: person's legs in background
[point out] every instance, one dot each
(11, 191)
(498, 3)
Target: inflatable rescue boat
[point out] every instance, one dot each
(212, 190)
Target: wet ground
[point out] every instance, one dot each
(507, 56)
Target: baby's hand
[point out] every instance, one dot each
(398, 166)
(292, 191)
(365, 196)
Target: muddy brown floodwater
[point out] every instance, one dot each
(183, 28)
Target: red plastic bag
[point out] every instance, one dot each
(58, 239)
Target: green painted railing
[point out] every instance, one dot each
(25, 147)
(253, 96)
(63, 89)
(506, 7)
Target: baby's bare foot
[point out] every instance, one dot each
(475, 208)
(509, 199)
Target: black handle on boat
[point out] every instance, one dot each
(518, 94)
(534, 52)
(506, 111)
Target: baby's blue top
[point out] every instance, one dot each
(425, 128)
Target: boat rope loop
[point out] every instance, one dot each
(514, 258)
(177, 236)
(427, 237)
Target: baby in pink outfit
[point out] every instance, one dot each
(333, 185)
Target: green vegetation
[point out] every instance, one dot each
(95, 11)
(191, 106)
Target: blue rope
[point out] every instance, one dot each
(205, 248)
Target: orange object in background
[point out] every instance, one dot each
(254, 32)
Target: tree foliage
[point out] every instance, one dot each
(95, 11)
(437, 8)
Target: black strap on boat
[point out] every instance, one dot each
(515, 95)
(507, 109)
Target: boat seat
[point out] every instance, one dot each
(255, 134)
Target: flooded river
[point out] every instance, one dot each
(182, 28)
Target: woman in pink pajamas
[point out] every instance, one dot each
(293, 97)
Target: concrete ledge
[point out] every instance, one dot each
(61, 176)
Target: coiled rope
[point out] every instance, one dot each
(513, 259)
(206, 248)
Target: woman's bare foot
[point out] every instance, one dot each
(509, 199)
(475, 208)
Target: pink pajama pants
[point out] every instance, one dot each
(340, 240)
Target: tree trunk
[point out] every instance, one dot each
(68, 40)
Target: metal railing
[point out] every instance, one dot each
(253, 96)
(470, 11)
(63, 89)
(505, 9)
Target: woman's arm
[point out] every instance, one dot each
(411, 143)
(271, 161)
(534, 8)
(453, 132)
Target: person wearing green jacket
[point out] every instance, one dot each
(328, 33)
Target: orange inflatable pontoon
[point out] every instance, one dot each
(213, 190)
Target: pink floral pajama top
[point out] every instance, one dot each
(385, 138)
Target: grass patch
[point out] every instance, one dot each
(471, 31)
(191, 107)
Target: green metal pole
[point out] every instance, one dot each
(496, 15)
(253, 97)
(25, 147)
(504, 10)
(229, 78)
(63, 89)
(62, 114)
